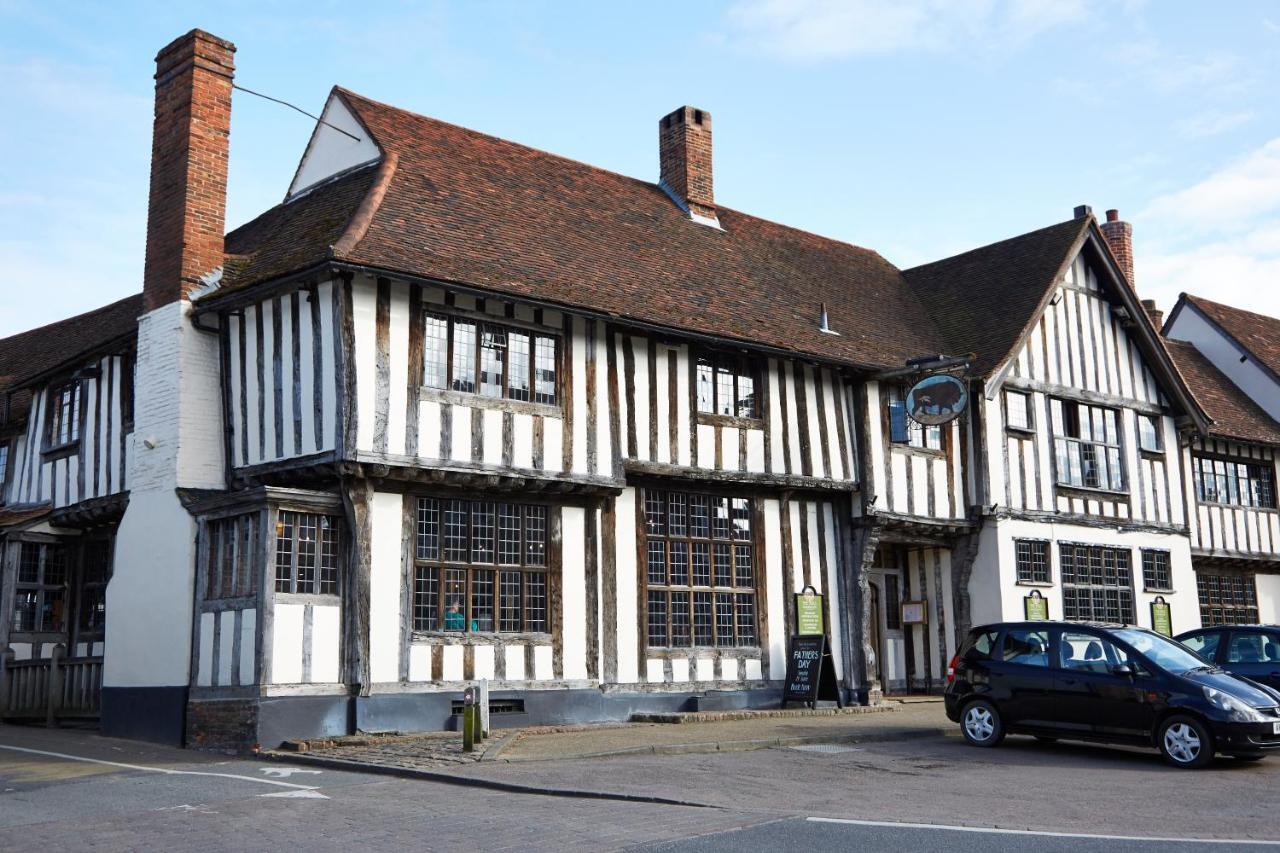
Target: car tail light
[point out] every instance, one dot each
(951, 669)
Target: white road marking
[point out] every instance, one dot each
(308, 792)
(1045, 833)
(284, 772)
(167, 771)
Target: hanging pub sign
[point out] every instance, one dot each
(809, 612)
(937, 400)
(1035, 606)
(811, 673)
(1161, 617)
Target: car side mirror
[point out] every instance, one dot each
(1121, 669)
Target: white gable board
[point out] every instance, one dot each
(330, 152)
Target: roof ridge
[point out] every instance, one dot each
(359, 223)
(1084, 221)
(1193, 298)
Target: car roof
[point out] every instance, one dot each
(1102, 626)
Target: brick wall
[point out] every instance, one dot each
(1120, 238)
(684, 158)
(223, 725)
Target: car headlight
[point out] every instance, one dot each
(1235, 709)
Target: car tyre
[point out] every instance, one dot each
(1185, 742)
(980, 723)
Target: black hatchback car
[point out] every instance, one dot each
(1249, 651)
(1110, 683)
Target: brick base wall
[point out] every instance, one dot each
(223, 725)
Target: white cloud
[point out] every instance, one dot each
(830, 29)
(1218, 238)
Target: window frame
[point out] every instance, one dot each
(6, 453)
(736, 365)
(1112, 453)
(919, 437)
(442, 564)
(40, 587)
(318, 580)
(669, 588)
(1125, 593)
(475, 396)
(1258, 473)
(1147, 585)
(52, 420)
(1028, 407)
(239, 552)
(1157, 422)
(1226, 608)
(1031, 579)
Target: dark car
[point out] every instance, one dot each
(1249, 651)
(1109, 683)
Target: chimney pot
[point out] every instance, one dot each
(684, 159)
(186, 211)
(1113, 215)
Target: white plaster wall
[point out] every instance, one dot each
(1191, 326)
(777, 586)
(625, 515)
(386, 522)
(326, 631)
(573, 587)
(286, 643)
(1268, 587)
(330, 152)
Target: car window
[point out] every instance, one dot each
(1026, 646)
(1205, 645)
(1252, 647)
(980, 644)
(1163, 652)
(1088, 653)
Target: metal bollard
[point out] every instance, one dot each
(468, 721)
(477, 733)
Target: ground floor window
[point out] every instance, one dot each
(1227, 599)
(700, 564)
(232, 546)
(95, 571)
(1032, 559)
(1097, 584)
(308, 553)
(1155, 571)
(480, 566)
(40, 593)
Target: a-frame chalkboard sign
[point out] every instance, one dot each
(811, 672)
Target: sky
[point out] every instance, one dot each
(917, 128)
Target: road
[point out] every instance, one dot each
(68, 790)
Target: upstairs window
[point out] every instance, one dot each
(1238, 483)
(4, 469)
(488, 359)
(903, 430)
(727, 386)
(1149, 437)
(1087, 445)
(63, 425)
(1018, 408)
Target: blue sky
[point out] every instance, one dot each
(918, 128)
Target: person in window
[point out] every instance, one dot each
(454, 620)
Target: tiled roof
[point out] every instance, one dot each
(983, 299)
(29, 354)
(1234, 413)
(466, 207)
(1257, 333)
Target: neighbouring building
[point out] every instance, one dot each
(460, 409)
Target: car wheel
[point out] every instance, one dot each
(980, 723)
(1185, 742)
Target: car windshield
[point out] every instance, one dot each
(1161, 651)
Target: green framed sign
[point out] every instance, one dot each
(1161, 617)
(809, 620)
(1035, 607)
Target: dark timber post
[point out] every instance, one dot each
(357, 493)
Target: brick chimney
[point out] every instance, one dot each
(188, 202)
(1153, 313)
(1120, 238)
(684, 156)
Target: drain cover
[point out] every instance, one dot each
(824, 747)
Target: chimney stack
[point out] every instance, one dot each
(1153, 313)
(187, 209)
(684, 156)
(1120, 238)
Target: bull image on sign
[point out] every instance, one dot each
(937, 400)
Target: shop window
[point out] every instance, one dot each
(488, 359)
(700, 563)
(232, 545)
(480, 566)
(902, 429)
(726, 385)
(1032, 560)
(1227, 599)
(40, 590)
(1155, 571)
(308, 553)
(1097, 584)
(1234, 482)
(1087, 445)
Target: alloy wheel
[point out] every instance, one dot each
(979, 723)
(1182, 743)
